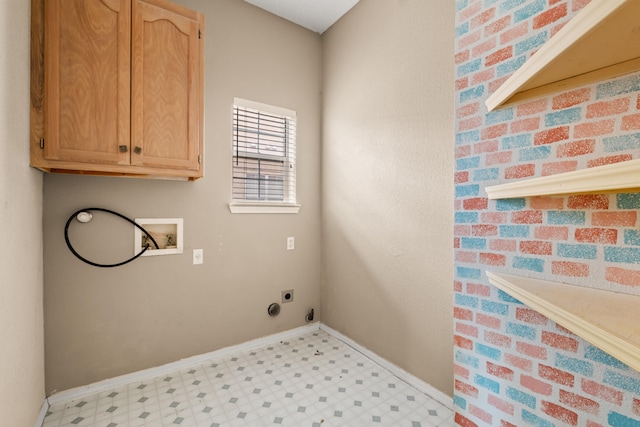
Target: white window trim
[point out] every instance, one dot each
(264, 207)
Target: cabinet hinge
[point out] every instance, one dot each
(42, 143)
(199, 159)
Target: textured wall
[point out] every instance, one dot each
(513, 367)
(387, 193)
(21, 328)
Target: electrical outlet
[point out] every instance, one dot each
(291, 243)
(198, 256)
(287, 295)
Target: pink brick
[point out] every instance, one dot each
(480, 414)
(536, 247)
(498, 158)
(495, 84)
(608, 108)
(488, 321)
(550, 16)
(494, 217)
(475, 204)
(484, 47)
(576, 148)
(593, 424)
(638, 103)
(468, 109)
(478, 289)
(602, 391)
(470, 11)
(486, 147)
(579, 4)
(493, 259)
(483, 230)
(462, 83)
(597, 235)
(504, 423)
(503, 245)
(497, 26)
(551, 233)
(579, 402)
(547, 203)
(483, 76)
(462, 313)
(530, 316)
(519, 362)
(558, 412)
(623, 276)
(456, 242)
(556, 375)
(554, 168)
(550, 136)
(631, 122)
(466, 329)
(494, 131)
(483, 18)
(470, 123)
(588, 201)
(462, 342)
(586, 130)
(514, 32)
(463, 421)
(461, 230)
(463, 151)
(636, 406)
(532, 107)
(460, 177)
(461, 371)
(608, 160)
(520, 171)
(466, 256)
(531, 350)
(498, 56)
(462, 56)
(501, 405)
(527, 217)
(499, 371)
(614, 219)
(569, 268)
(559, 341)
(569, 99)
(497, 339)
(525, 125)
(536, 385)
(469, 39)
(465, 388)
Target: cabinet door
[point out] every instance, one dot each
(166, 86)
(87, 80)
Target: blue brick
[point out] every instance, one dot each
(467, 359)
(510, 204)
(473, 243)
(566, 217)
(521, 397)
(618, 420)
(529, 10)
(489, 3)
(533, 419)
(486, 174)
(473, 93)
(514, 230)
(487, 383)
(487, 351)
(462, 29)
(467, 137)
(523, 331)
(534, 153)
(466, 300)
(468, 163)
(621, 143)
(510, 4)
(626, 255)
(494, 307)
(574, 365)
(461, 4)
(467, 190)
(499, 116)
(466, 217)
(597, 355)
(518, 141)
(531, 264)
(468, 273)
(628, 200)
(618, 87)
(563, 117)
(632, 237)
(577, 251)
(624, 382)
(469, 67)
(531, 43)
(459, 402)
(511, 66)
(503, 296)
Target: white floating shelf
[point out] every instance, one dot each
(608, 320)
(615, 177)
(602, 41)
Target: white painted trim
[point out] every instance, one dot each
(146, 374)
(43, 413)
(405, 376)
(265, 207)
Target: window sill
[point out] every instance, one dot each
(268, 208)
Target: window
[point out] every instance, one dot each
(264, 158)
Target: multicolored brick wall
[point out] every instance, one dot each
(513, 366)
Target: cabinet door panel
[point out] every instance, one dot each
(165, 85)
(87, 80)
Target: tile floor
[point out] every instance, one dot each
(312, 380)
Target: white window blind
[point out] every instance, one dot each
(264, 153)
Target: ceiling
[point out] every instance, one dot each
(316, 15)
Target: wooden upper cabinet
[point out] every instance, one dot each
(117, 88)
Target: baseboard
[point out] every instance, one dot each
(43, 413)
(394, 369)
(146, 374)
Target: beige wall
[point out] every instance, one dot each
(387, 192)
(21, 329)
(101, 323)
